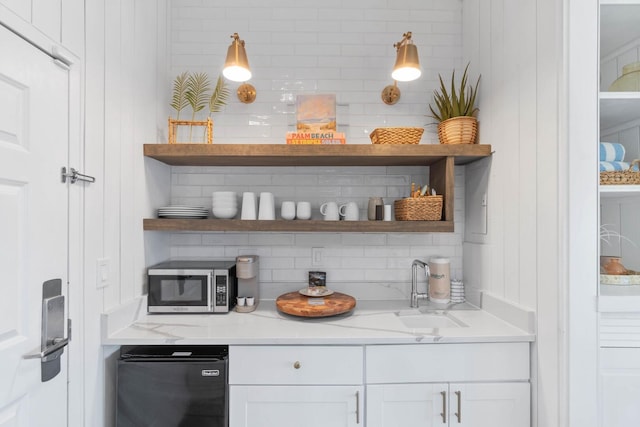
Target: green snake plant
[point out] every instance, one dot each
(456, 102)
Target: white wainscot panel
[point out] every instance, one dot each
(620, 330)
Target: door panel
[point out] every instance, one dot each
(295, 406)
(34, 106)
(406, 405)
(489, 404)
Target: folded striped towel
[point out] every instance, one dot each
(613, 166)
(611, 152)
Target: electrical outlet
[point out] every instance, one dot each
(102, 273)
(316, 256)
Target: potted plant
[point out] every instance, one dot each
(455, 111)
(193, 90)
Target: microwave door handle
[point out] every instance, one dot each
(210, 289)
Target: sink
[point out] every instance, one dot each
(417, 320)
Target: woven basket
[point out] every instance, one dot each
(458, 130)
(628, 177)
(424, 208)
(396, 135)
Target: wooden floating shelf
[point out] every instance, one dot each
(313, 155)
(440, 159)
(296, 226)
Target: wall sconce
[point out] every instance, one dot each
(236, 68)
(407, 68)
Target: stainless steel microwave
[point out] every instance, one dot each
(192, 287)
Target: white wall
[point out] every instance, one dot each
(122, 57)
(517, 47)
(302, 47)
(367, 265)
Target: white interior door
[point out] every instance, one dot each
(33, 225)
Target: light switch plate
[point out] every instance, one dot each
(102, 273)
(316, 256)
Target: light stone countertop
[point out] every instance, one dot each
(371, 322)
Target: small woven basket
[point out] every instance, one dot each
(458, 130)
(396, 135)
(627, 177)
(423, 208)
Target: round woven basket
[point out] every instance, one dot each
(458, 130)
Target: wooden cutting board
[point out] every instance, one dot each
(297, 304)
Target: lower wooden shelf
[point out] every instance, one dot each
(295, 226)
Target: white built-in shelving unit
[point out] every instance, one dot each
(620, 122)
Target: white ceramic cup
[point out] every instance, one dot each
(350, 211)
(288, 210)
(250, 301)
(330, 211)
(241, 301)
(248, 205)
(266, 209)
(387, 212)
(303, 210)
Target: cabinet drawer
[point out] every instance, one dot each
(296, 365)
(447, 362)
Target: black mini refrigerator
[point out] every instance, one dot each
(172, 386)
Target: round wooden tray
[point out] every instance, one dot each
(297, 304)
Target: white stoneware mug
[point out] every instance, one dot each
(248, 205)
(387, 212)
(267, 209)
(303, 210)
(350, 211)
(330, 211)
(288, 210)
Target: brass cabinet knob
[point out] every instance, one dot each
(297, 365)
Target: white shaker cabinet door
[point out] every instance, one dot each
(489, 404)
(296, 406)
(465, 405)
(620, 380)
(407, 405)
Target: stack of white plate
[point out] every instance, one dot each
(225, 204)
(457, 291)
(186, 212)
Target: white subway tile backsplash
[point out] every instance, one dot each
(185, 239)
(317, 239)
(200, 179)
(298, 276)
(271, 239)
(225, 239)
(365, 239)
(408, 240)
(301, 47)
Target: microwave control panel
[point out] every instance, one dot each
(221, 290)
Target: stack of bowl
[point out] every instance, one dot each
(225, 204)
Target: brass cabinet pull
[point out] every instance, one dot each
(459, 413)
(444, 407)
(297, 365)
(357, 407)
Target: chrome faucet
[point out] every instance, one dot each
(415, 295)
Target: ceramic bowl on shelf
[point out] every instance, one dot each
(224, 213)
